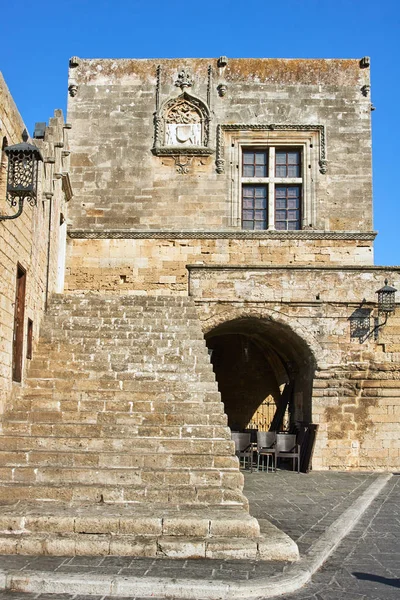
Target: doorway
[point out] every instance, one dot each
(19, 314)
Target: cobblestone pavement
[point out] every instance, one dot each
(366, 566)
(303, 506)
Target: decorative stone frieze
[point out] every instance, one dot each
(220, 154)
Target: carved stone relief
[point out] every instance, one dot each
(220, 158)
(181, 124)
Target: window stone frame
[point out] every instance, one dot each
(310, 139)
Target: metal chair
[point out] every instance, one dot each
(243, 447)
(286, 447)
(266, 448)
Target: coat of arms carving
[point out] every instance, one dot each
(181, 125)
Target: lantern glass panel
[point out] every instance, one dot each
(386, 301)
(22, 169)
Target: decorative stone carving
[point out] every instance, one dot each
(74, 61)
(183, 164)
(73, 89)
(209, 83)
(222, 61)
(220, 158)
(158, 84)
(181, 128)
(365, 90)
(365, 62)
(323, 166)
(299, 234)
(183, 125)
(184, 80)
(222, 89)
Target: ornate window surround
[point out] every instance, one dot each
(310, 139)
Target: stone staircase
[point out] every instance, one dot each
(118, 443)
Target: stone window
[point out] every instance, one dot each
(273, 172)
(272, 183)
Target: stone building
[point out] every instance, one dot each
(246, 183)
(32, 247)
(217, 204)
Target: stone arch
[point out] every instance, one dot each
(257, 355)
(232, 313)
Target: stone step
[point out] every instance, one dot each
(114, 417)
(93, 298)
(107, 407)
(95, 430)
(81, 493)
(141, 326)
(109, 360)
(113, 397)
(183, 344)
(162, 371)
(132, 459)
(57, 529)
(221, 450)
(160, 519)
(110, 403)
(111, 336)
(120, 407)
(190, 477)
(145, 383)
(122, 323)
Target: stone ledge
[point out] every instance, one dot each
(305, 234)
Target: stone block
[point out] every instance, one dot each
(235, 527)
(231, 548)
(185, 526)
(92, 545)
(141, 525)
(59, 546)
(139, 547)
(174, 548)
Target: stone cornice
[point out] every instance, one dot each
(305, 234)
(220, 157)
(248, 267)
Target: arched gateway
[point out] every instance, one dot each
(264, 370)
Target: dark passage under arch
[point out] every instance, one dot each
(255, 360)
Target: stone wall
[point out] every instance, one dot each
(34, 239)
(158, 266)
(124, 180)
(355, 397)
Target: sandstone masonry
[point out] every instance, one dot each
(219, 276)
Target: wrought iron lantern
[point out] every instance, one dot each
(22, 175)
(386, 299)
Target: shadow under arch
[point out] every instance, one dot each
(255, 359)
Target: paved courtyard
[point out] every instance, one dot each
(365, 566)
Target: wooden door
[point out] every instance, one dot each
(19, 312)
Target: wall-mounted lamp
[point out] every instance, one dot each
(22, 175)
(360, 319)
(386, 299)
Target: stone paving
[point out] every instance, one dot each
(366, 566)
(302, 505)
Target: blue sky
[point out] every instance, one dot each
(38, 37)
